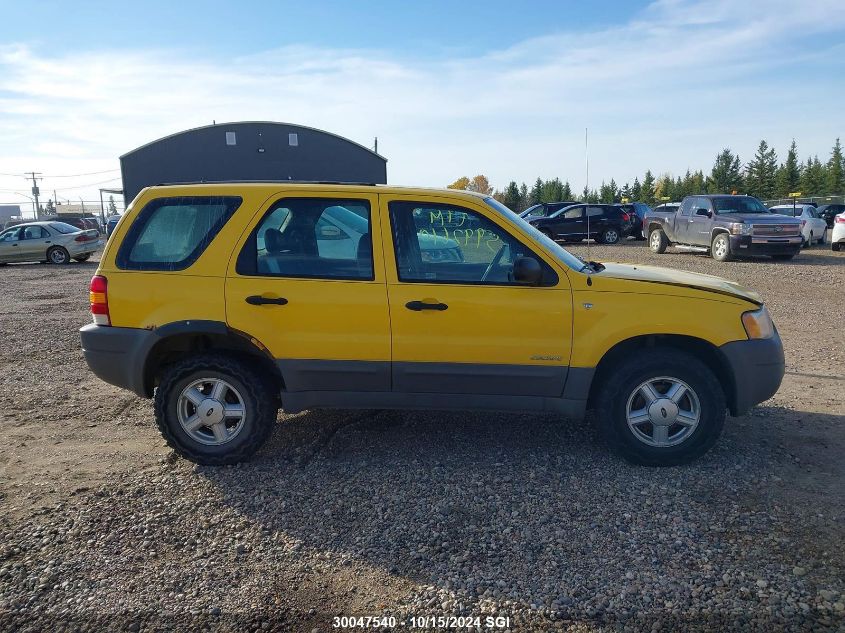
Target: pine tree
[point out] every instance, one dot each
(511, 198)
(523, 197)
(789, 173)
(636, 191)
(761, 172)
(625, 192)
(647, 194)
(112, 206)
(835, 168)
(813, 178)
(534, 196)
(566, 194)
(726, 175)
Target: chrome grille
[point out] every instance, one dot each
(777, 230)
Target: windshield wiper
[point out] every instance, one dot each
(597, 266)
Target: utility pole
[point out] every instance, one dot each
(36, 176)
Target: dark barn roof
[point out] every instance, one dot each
(252, 150)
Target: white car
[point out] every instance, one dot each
(54, 242)
(837, 238)
(813, 228)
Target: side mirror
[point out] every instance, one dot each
(527, 270)
(704, 212)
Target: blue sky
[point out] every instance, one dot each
(450, 88)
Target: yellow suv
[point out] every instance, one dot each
(227, 301)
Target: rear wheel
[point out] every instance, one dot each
(58, 255)
(213, 409)
(665, 410)
(610, 236)
(834, 246)
(720, 249)
(657, 241)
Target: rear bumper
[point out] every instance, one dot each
(758, 367)
(765, 245)
(117, 355)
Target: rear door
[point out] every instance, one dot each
(460, 324)
(308, 283)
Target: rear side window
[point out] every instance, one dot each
(311, 238)
(171, 233)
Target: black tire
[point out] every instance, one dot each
(784, 257)
(620, 385)
(720, 248)
(657, 241)
(82, 258)
(547, 233)
(58, 255)
(611, 236)
(834, 246)
(260, 406)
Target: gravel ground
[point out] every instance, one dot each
(412, 514)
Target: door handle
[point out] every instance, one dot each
(416, 306)
(258, 300)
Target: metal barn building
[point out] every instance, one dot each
(250, 151)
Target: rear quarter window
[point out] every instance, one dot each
(171, 233)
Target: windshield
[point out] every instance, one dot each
(743, 204)
(63, 227)
(563, 255)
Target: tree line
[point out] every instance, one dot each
(763, 177)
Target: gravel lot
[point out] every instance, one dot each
(367, 513)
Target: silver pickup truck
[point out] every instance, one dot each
(726, 227)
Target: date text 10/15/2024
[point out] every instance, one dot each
(433, 622)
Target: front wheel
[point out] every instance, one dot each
(610, 236)
(666, 410)
(720, 249)
(834, 246)
(657, 241)
(213, 409)
(58, 255)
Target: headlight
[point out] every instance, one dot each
(758, 324)
(740, 228)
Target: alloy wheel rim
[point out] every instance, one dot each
(611, 236)
(721, 247)
(655, 240)
(663, 412)
(57, 256)
(211, 411)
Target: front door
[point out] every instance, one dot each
(461, 325)
(700, 222)
(9, 245)
(308, 284)
(570, 224)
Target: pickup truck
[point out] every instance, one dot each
(726, 226)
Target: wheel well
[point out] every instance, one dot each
(718, 231)
(173, 348)
(704, 351)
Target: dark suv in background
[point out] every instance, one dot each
(605, 222)
(637, 211)
(829, 212)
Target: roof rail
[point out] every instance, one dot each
(264, 181)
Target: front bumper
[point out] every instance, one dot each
(758, 245)
(117, 355)
(758, 367)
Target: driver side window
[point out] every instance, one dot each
(446, 244)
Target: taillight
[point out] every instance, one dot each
(840, 219)
(98, 296)
(626, 217)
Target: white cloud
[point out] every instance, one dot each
(665, 91)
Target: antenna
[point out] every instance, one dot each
(587, 186)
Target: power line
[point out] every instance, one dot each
(93, 184)
(90, 173)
